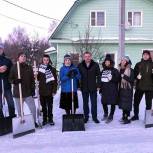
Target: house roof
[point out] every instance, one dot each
(66, 17)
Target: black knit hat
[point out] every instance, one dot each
(108, 58)
(67, 56)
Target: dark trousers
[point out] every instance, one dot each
(105, 107)
(93, 98)
(137, 99)
(47, 107)
(126, 114)
(10, 102)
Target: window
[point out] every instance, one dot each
(97, 18)
(135, 19)
(75, 58)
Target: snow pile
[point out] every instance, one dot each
(98, 138)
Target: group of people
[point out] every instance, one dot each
(114, 85)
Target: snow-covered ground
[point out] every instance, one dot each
(98, 138)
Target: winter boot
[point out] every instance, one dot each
(134, 118)
(86, 120)
(104, 117)
(96, 120)
(109, 119)
(51, 122)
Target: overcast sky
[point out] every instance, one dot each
(52, 8)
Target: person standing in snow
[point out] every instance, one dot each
(143, 73)
(27, 84)
(5, 66)
(109, 88)
(47, 88)
(90, 83)
(126, 88)
(67, 72)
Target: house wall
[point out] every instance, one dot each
(134, 51)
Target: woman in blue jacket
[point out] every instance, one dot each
(67, 72)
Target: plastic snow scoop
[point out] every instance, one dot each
(39, 108)
(73, 122)
(6, 121)
(24, 124)
(148, 118)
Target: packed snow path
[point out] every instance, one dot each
(98, 138)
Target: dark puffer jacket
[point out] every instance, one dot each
(109, 90)
(5, 61)
(27, 83)
(47, 89)
(90, 76)
(126, 94)
(145, 68)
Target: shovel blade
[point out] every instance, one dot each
(21, 129)
(74, 122)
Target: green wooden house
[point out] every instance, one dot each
(93, 25)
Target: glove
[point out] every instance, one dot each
(72, 73)
(17, 81)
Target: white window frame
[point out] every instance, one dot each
(132, 17)
(96, 17)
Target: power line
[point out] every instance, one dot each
(30, 10)
(39, 27)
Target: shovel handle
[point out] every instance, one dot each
(72, 86)
(20, 91)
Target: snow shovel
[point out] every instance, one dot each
(23, 124)
(148, 118)
(73, 122)
(39, 114)
(6, 121)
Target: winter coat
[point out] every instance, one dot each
(5, 62)
(27, 80)
(109, 88)
(47, 89)
(126, 93)
(90, 76)
(66, 80)
(145, 68)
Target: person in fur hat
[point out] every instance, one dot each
(143, 73)
(109, 88)
(126, 88)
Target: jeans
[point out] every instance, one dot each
(93, 98)
(10, 102)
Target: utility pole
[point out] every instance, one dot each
(121, 50)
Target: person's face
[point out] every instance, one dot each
(1, 51)
(67, 62)
(107, 63)
(145, 56)
(22, 58)
(123, 62)
(45, 60)
(87, 58)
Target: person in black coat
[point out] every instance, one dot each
(143, 73)
(109, 88)
(126, 88)
(5, 66)
(90, 83)
(47, 88)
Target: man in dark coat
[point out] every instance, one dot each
(143, 73)
(5, 65)
(27, 84)
(90, 82)
(109, 88)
